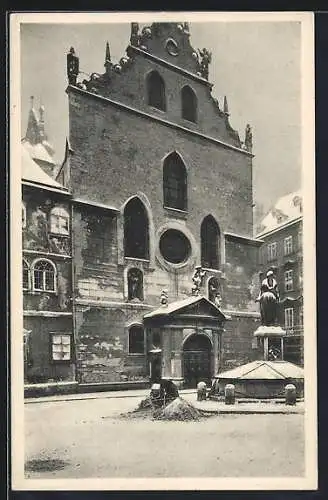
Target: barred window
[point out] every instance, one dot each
(61, 347)
(44, 276)
(59, 221)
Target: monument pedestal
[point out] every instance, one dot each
(272, 339)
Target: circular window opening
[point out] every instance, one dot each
(174, 246)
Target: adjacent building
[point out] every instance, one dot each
(46, 262)
(281, 232)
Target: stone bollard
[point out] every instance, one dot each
(201, 391)
(290, 394)
(229, 394)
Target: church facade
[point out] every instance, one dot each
(160, 183)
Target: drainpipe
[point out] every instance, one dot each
(75, 357)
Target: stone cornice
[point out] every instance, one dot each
(167, 123)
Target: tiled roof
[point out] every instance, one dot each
(264, 370)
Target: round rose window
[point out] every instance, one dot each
(174, 246)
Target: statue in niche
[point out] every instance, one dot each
(134, 37)
(269, 300)
(248, 138)
(197, 279)
(72, 66)
(135, 284)
(205, 59)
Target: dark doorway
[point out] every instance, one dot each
(155, 368)
(197, 362)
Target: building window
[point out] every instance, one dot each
(135, 284)
(136, 230)
(61, 347)
(189, 104)
(174, 246)
(175, 182)
(156, 91)
(210, 236)
(26, 276)
(288, 280)
(288, 245)
(289, 318)
(23, 215)
(136, 340)
(59, 221)
(44, 276)
(272, 251)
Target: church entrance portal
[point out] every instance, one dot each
(197, 360)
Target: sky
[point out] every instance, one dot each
(257, 65)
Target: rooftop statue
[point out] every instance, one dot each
(205, 59)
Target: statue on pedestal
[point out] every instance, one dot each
(269, 299)
(248, 138)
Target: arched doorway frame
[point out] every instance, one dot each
(197, 365)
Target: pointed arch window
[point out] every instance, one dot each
(156, 91)
(189, 104)
(59, 221)
(175, 182)
(44, 276)
(136, 230)
(26, 276)
(136, 339)
(210, 246)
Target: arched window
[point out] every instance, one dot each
(156, 91)
(44, 276)
(136, 339)
(59, 221)
(210, 247)
(136, 231)
(175, 182)
(135, 284)
(189, 104)
(26, 276)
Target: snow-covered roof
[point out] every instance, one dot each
(39, 151)
(32, 172)
(286, 209)
(264, 370)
